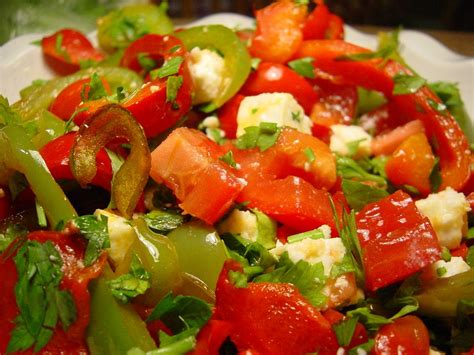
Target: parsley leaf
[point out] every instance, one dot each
(228, 158)
(181, 312)
(39, 299)
(309, 155)
(359, 194)
(171, 67)
(362, 348)
(145, 61)
(407, 84)
(7, 115)
(248, 253)
(348, 168)
(437, 106)
(94, 229)
(58, 45)
(303, 67)
(12, 232)
(173, 84)
(470, 256)
(96, 89)
(161, 221)
(254, 63)
(435, 176)
(264, 136)
(132, 284)
(345, 330)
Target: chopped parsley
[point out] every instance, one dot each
(146, 62)
(94, 89)
(58, 45)
(296, 116)
(445, 254)
(263, 136)
(171, 67)
(407, 84)
(345, 330)
(437, 106)
(228, 158)
(441, 271)
(303, 67)
(309, 155)
(94, 229)
(359, 194)
(254, 63)
(163, 221)
(312, 234)
(173, 84)
(435, 176)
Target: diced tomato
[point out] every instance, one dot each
(75, 279)
(271, 318)
(336, 28)
(228, 116)
(385, 144)
(272, 77)
(211, 337)
(461, 251)
(56, 156)
(317, 22)
(153, 46)
(406, 335)
(188, 163)
(278, 34)
(68, 100)
(360, 334)
(396, 240)
(66, 49)
(85, 110)
(412, 163)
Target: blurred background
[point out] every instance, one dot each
(27, 16)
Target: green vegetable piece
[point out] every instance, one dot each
(225, 42)
(11, 232)
(48, 127)
(163, 221)
(171, 67)
(173, 83)
(368, 100)
(303, 66)
(266, 230)
(358, 194)
(114, 327)
(435, 176)
(407, 84)
(181, 312)
(200, 250)
(94, 229)
(228, 158)
(264, 136)
(348, 168)
(179, 344)
(345, 330)
(18, 153)
(96, 89)
(312, 234)
(470, 256)
(121, 27)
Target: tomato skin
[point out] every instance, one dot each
(211, 337)
(70, 98)
(322, 24)
(76, 48)
(228, 116)
(188, 163)
(76, 278)
(157, 47)
(406, 335)
(411, 164)
(56, 156)
(274, 77)
(392, 232)
(278, 34)
(271, 318)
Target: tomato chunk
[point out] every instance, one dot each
(406, 335)
(396, 240)
(188, 163)
(271, 318)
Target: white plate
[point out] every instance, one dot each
(21, 62)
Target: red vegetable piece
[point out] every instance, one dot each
(406, 335)
(273, 77)
(56, 156)
(278, 34)
(188, 163)
(360, 334)
(336, 28)
(211, 337)
(70, 98)
(396, 240)
(271, 318)
(156, 47)
(5, 202)
(317, 22)
(75, 279)
(66, 49)
(228, 116)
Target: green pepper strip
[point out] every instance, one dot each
(440, 297)
(114, 328)
(225, 41)
(110, 122)
(18, 153)
(39, 98)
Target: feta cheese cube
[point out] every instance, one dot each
(279, 108)
(447, 212)
(239, 222)
(207, 69)
(343, 135)
(455, 266)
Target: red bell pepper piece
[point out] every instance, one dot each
(278, 34)
(156, 47)
(406, 335)
(211, 337)
(56, 156)
(66, 49)
(271, 318)
(228, 116)
(76, 278)
(396, 240)
(322, 24)
(272, 77)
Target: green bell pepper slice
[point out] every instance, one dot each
(48, 127)
(38, 99)
(114, 327)
(18, 153)
(226, 43)
(121, 27)
(201, 251)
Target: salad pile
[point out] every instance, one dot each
(210, 190)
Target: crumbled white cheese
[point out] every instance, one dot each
(121, 235)
(210, 122)
(240, 222)
(343, 135)
(280, 108)
(447, 212)
(455, 266)
(328, 251)
(207, 69)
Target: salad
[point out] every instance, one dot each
(209, 190)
